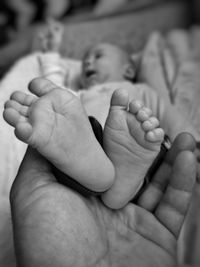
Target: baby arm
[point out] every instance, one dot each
(51, 65)
(51, 68)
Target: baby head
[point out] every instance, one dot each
(106, 63)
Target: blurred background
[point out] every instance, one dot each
(21, 20)
(17, 15)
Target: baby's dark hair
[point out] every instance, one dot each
(133, 66)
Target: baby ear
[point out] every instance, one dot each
(129, 71)
(136, 61)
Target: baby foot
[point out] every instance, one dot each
(132, 141)
(51, 39)
(56, 124)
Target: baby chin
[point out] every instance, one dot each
(91, 81)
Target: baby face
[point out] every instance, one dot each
(103, 63)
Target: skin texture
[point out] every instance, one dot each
(132, 140)
(56, 124)
(55, 226)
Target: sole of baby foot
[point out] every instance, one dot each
(56, 124)
(132, 141)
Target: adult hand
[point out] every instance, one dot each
(56, 226)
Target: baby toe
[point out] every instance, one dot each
(12, 104)
(155, 135)
(150, 124)
(18, 96)
(120, 99)
(22, 98)
(135, 106)
(29, 100)
(12, 116)
(143, 114)
(41, 86)
(23, 131)
(22, 110)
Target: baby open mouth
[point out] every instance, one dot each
(90, 73)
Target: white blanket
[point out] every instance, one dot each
(12, 152)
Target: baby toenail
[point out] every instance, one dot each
(147, 111)
(143, 115)
(148, 123)
(154, 121)
(137, 104)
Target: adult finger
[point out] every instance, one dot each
(153, 192)
(174, 203)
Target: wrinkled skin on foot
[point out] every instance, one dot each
(55, 226)
(55, 123)
(132, 141)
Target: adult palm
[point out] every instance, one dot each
(56, 226)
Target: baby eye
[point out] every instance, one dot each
(98, 55)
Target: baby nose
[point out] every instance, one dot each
(88, 61)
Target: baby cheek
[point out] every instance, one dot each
(105, 76)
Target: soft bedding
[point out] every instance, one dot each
(169, 66)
